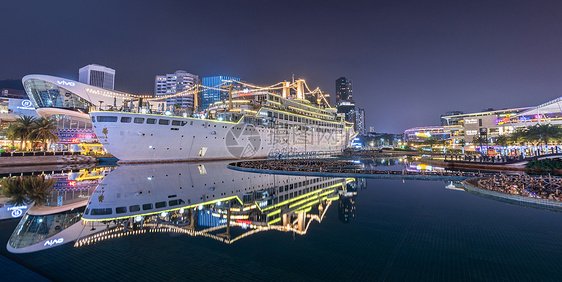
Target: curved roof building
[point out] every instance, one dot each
(55, 95)
(69, 102)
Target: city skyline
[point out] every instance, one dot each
(410, 62)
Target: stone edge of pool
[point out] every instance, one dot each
(354, 175)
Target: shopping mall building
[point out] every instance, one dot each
(461, 129)
(69, 103)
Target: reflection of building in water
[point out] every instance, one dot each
(223, 204)
(346, 209)
(361, 183)
(55, 223)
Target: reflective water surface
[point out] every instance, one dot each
(204, 221)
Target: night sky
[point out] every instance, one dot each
(410, 61)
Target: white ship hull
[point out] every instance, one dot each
(189, 139)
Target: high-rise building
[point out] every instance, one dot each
(347, 107)
(360, 121)
(346, 209)
(209, 96)
(98, 76)
(344, 89)
(173, 83)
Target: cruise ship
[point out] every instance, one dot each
(252, 123)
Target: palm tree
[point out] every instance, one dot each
(38, 189)
(544, 133)
(11, 134)
(25, 190)
(13, 187)
(22, 128)
(45, 130)
(479, 139)
(502, 140)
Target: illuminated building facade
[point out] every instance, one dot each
(173, 83)
(13, 103)
(422, 134)
(210, 96)
(344, 89)
(69, 103)
(347, 107)
(491, 123)
(360, 121)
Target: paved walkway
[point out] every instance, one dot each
(514, 163)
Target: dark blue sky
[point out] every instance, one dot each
(410, 61)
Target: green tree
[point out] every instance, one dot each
(44, 130)
(431, 142)
(479, 140)
(38, 189)
(11, 134)
(22, 128)
(520, 136)
(25, 190)
(544, 133)
(13, 188)
(502, 140)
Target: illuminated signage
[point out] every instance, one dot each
(471, 132)
(53, 242)
(66, 83)
(423, 134)
(74, 136)
(500, 121)
(17, 211)
(26, 105)
(470, 121)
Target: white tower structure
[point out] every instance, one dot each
(96, 75)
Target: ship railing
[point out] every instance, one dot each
(298, 155)
(176, 113)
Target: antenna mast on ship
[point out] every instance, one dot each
(230, 96)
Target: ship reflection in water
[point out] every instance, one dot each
(196, 199)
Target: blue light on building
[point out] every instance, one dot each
(209, 96)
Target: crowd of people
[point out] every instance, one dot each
(483, 158)
(524, 185)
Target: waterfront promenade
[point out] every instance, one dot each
(343, 168)
(9, 160)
